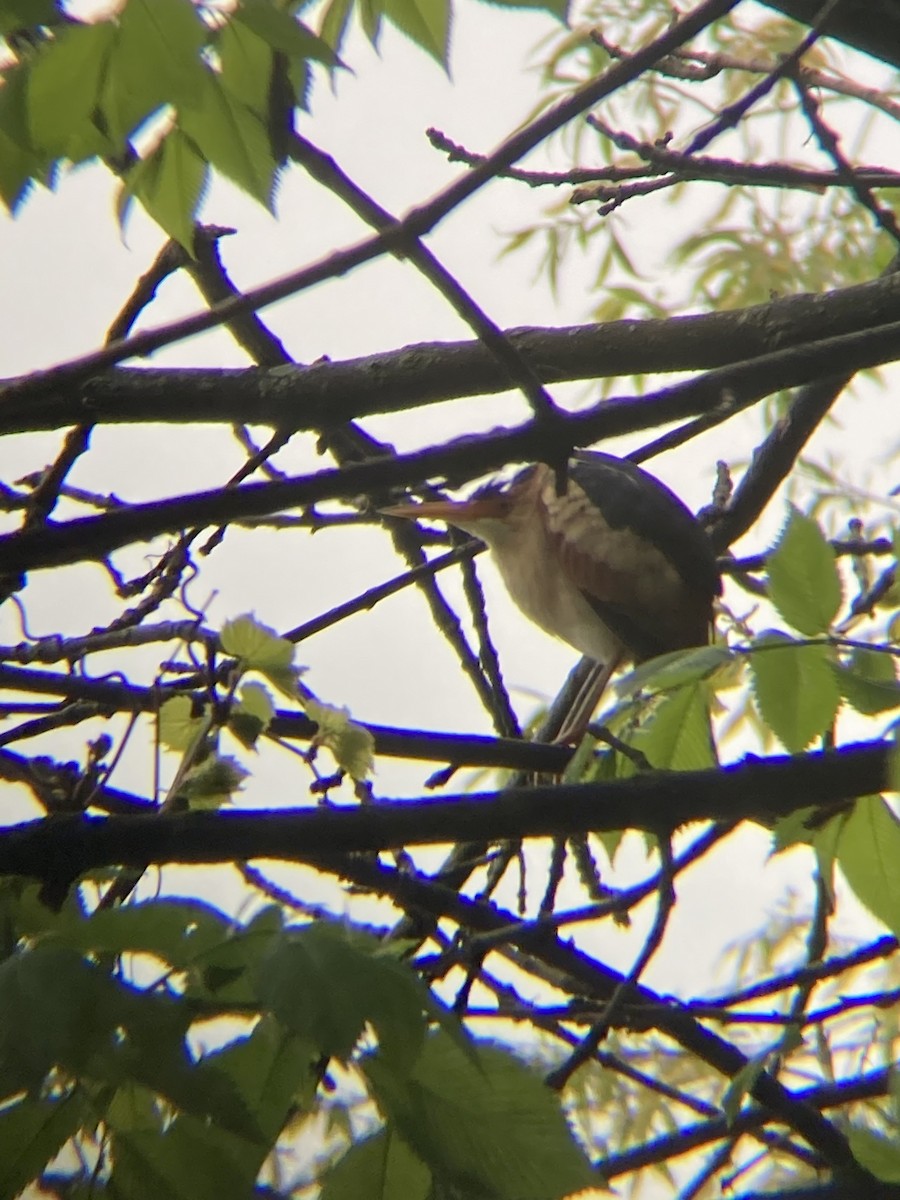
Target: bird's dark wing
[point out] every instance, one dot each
(631, 498)
(635, 553)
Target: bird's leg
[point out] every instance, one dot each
(586, 700)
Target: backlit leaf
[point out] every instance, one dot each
(180, 723)
(868, 850)
(63, 91)
(170, 184)
(232, 137)
(33, 1132)
(352, 745)
(877, 1153)
(804, 584)
(869, 682)
(381, 1167)
(489, 1126)
(425, 22)
(795, 689)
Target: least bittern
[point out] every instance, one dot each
(616, 565)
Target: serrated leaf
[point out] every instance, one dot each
(275, 1073)
(804, 583)
(51, 1004)
(180, 723)
(225, 972)
(232, 137)
(246, 66)
(741, 1084)
(352, 745)
(170, 184)
(795, 689)
(190, 1160)
(326, 983)
(63, 90)
(380, 1167)
(868, 850)
(26, 14)
(261, 649)
(282, 31)
(212, 783)
(19, 162)
(425, 22)
(557, 8)
(678, 734)
(869, 682)
(253, 713)
(175, 931)
(490, 1126)
(668, 671)
(877, 1153)
(32, 1133)
(794, 829)
(334, 22)
(158, 50)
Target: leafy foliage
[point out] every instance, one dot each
(167, 1047)
(197, 90)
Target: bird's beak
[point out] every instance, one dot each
(461, 513)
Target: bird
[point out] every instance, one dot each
(602, 556)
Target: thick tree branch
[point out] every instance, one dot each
(325, 394)
(742, 384)
(398, 237)
(63, 847)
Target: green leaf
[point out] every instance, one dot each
(261, 649)
(425, 22)
(282, 31)
(51, 1012)
(231, 137)
(190, 1160)
(804, 583)
(668, 671)
(794, 687)
(148, 1046)
(334, 22)
(326, 983)
(352, 745)
(211, 783)
(381, 1167)
(18, 161)
(63, 91)
(741, 1084)
(33, 1132)
(225, 973)
(180, 724)
(868, 850)
(275, 1072)
(490, 1127)
(170, 184)
(26, 14)
(877, 1153)
(135, 1107)
(796, 829)
(557, 8)
(246, 62)
(158, 51)
(253, 713)
(869, 682)
(178, 932)
(678, 734)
